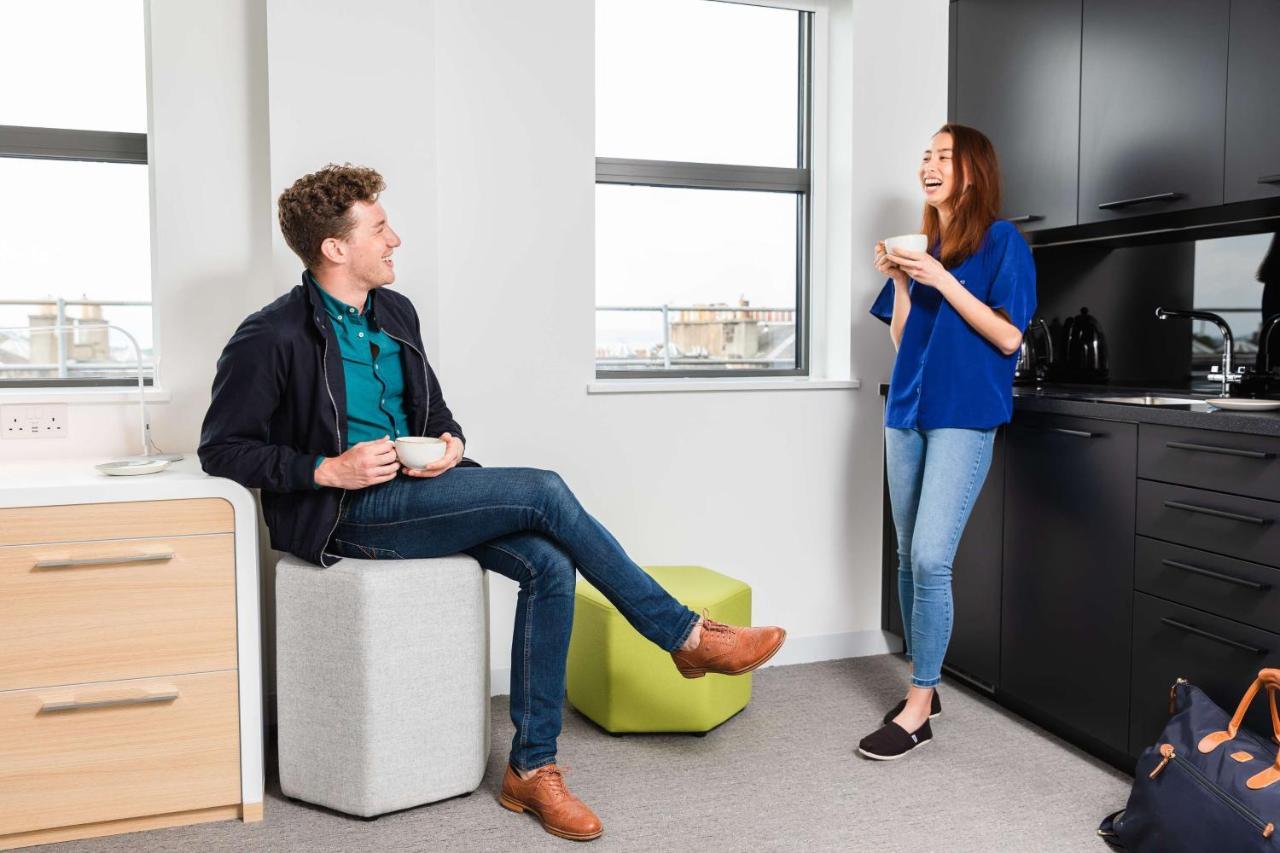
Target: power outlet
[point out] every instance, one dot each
(33, 421)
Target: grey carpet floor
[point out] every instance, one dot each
(781, 776)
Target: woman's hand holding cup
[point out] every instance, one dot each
(885, 266)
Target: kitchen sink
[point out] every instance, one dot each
(1149, 400)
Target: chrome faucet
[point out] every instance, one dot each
(1223, 373)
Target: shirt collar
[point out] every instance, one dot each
(336, 309)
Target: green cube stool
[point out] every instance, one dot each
(624, 683)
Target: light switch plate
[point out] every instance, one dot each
(45, 421)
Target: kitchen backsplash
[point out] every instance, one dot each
(1122, 285)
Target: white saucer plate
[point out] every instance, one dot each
(132, 467)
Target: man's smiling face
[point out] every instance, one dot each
(369, 245)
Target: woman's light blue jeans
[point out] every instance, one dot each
(934, 476)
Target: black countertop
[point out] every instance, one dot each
(1078, 400)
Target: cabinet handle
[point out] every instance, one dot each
(1028, 217)
(1269, 179)
(1217, 513)
(1126, 202)
(104, 561)
(1209, 635)
(1078, 433)
(1212, 448)
(1187, 567)
(119, 701)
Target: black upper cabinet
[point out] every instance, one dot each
(1016, 77)
(1068, 571)
(1152, 110)
(1253, 101)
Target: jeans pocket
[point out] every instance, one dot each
(364, 552)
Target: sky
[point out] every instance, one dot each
(695, 81)
(74, 229)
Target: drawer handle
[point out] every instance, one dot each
(1078, 433)
(1126, 202)
(1225, 451)
(81, 705)
(1217, 513)
(1209, 635)
(1208, 573)
(1269, 179)
(104, 561)
(1026, 217)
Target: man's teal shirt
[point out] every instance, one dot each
(373, 372)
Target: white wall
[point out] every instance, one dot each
(480, 115)
(781, 489)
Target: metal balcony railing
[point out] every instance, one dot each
(64, 365)
(703, 315)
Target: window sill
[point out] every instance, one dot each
(667, 386)
(112, 394)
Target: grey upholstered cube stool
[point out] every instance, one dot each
(382, 681)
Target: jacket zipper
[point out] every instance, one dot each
(1168, 754)
(426, 377)
(324, 365)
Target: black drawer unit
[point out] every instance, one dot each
(1219, 656)
(1223, 461)
(1245, 592)
(1211, 521)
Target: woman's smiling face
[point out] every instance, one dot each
(936, 176)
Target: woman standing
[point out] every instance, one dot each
(956, 315)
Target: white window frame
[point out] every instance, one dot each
(811, 334)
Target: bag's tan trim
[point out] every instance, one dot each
(1269, 678)
(1242, 756)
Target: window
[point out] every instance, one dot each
(76, 219)
(702, 188)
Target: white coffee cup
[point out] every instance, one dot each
(415, 451)
(910, 242)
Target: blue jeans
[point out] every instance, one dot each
(934, 478)
(523, 524)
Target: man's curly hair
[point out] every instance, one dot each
(316, 207)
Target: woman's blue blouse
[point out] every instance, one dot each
(946, 374)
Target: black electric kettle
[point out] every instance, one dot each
(1035, 354)
(1085, 349)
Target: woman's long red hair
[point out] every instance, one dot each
(975, 197)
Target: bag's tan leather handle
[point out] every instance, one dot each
(1269, 678)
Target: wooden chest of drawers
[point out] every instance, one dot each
(120, 690)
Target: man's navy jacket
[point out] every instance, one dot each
(279, 401)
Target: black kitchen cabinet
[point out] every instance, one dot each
(1016, 77)
(1253, 101)
(974, 651)
(1067, 599)
(975, 581)
(1152, 111)
(1220, 656)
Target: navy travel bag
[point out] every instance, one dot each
(1208, 784)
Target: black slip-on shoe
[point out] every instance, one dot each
(892, 741)
(935, 708)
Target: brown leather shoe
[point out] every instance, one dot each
(727, 650)
(544, 793)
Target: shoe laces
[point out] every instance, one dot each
(553, 780)
(709, 624)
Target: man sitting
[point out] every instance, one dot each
(310, 392)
